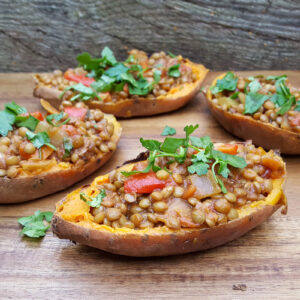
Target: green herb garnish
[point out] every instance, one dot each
(228, 83)
(68, 146)
(93, 201)
(56, 117)
(29, 122)
(205, 157)
(174, 71)
(253, 102)
(172, 54)
(168, 131)
(34, 226)
(39, 139)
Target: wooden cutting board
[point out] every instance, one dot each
(263, 264)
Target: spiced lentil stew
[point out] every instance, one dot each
(73, 137)
(106, 79)
(267, 99)
(164, 192)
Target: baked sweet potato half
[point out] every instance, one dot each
(265, 109)
(183, 195)
(40, 155)
(139, 86)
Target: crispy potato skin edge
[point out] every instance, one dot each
(262, 134)
(173, 243)
(16, 190)
(129, 107)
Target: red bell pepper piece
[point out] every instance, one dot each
(70, 75)
(76, 112)
(143, 183)
(228, 148)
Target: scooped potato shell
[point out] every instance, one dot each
(246, 127)
(127, 108)
(25, 188)
(73, 221)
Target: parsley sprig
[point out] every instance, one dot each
(205, 157)
(36, 226)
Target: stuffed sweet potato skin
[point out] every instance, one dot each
(262, 134)
(160, 244)
(25, 188)
(162, 241)
(130, 107)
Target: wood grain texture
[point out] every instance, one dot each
(243, 34)
(266, 260)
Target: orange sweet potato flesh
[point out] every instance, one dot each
(72, 220)
(247, 128)
(59, 177)
(126, 108)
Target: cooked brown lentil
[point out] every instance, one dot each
(168, 207)
(21, 157)
(268, 112)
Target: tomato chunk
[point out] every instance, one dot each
(76, 112)
(228, 148)
(38, 115)
(143, 183)
(70, 75)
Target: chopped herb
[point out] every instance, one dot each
(171, 54)
(254, 86)
(34, 226)
(85, 93)
(297, 107)
(39, 139)
(68, 146)
(15, 108)
(228, 83)
(174, 71)
(176, 149)
(168, 131)
(276, 77)
(56, 117)
(93, 201)
(234, 95)
(6, 121)
(29, 122)
(253, 102)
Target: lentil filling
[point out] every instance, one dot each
(71, 138)
(271, 99)
(172, 194)
(139, 76)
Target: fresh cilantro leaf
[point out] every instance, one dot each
(228, 83)
(223, 169)
(6, 122)
(39, 139)
(130, 79)
(171, 54)
(234, 95)
(56, 117)
(201, 142)
(201, 156)
(116, 71)
(174, 71)
(104, 84)
(200, 168)
(87, 62)
(15, 108)
(276, 77)
(170, 145)
(130, 59)
(253, 102)
(168, 131)
(150, 144)
(85, 93)
(287, 105)
(34, 226)
(93, 201)
(29, 122)
(297, 107)
(254, 86)
(156, 76)
(68, 146)
(278, 99)
(108, 56)
(233, 160)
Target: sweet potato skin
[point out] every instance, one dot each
(21, 189)
(261, 134)
(132, 107)
(162, 244)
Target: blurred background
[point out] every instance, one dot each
(238, 35)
